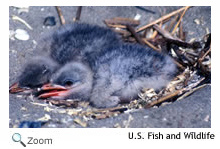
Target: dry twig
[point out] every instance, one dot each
(172, 23)
(62, 20)
(162, 99)
(174, 40)
(168, 16)
(176, 26)
(181, 33)
(151, 45)
(78, 14)
(116, 26)
(65, 103)
(179, 65)
(136, 36)
(122, 21)
(155, 32)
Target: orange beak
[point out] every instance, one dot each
(52, 90)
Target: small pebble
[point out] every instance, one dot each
(46, 117)
(80, 122)
(146, 116)
(117, 125)
(164, 119)
(197, 21)
(13, 51)
(206, 119)
(21, 34)
(50, 21)
(207, 30)
(137, 17)
(23, 108)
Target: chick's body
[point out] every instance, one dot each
(117, 75)
(126, 69)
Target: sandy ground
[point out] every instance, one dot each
(193, 111)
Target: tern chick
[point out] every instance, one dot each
(116, 76)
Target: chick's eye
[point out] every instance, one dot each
(69, 82)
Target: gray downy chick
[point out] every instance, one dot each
(69, 43)
(116, 76)
(124, 70)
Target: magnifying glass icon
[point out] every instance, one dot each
(16, 137)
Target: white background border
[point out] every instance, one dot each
(99, 137)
